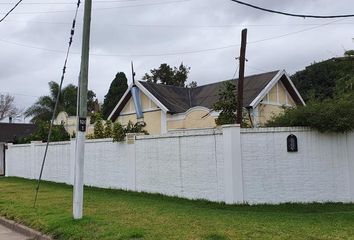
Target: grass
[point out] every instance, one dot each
(115, 214)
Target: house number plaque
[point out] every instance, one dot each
(82, 124)
(292, 143)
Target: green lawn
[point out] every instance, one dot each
(113, 214)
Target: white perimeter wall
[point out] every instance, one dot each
(230, 165)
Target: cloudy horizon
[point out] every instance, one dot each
(203, 34)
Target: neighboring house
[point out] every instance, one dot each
(9, 133)
(69, 123)
(165, 108)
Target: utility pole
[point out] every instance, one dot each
(82, 110)
(241, 77)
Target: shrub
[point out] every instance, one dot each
(331, 115)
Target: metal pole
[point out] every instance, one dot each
(241, 77)
(80, 138)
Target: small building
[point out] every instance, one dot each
(164, 108)
(10, 133)
(70, 123)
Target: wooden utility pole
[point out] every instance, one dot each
(82, 114)
(241, 77)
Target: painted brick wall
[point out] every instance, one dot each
(322, 169)
(251, 165)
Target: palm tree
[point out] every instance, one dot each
(42, 110)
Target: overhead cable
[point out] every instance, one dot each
(106, 8)
(72, 32)
(292, 14)
(174, 53)
(13, 8)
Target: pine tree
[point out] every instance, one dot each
(117, 89)
(108, 129)
(98, 130)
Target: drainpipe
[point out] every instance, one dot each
(136, 98)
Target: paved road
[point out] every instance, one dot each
(8, 234)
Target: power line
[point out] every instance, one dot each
(106, 8)
(174, 53)
(293, 14)
(20, 94)
(69, 3)
(13, 8)
(190, 26)
(72, 31)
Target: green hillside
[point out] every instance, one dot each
(325, 79)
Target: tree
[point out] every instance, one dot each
(98, 131)
(192, 84)
(116, 90)
(168, 75)
(321, 80)
(108, 129)
(42, 110)
(226, 104)
(7, 107)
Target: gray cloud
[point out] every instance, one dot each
(26, 71)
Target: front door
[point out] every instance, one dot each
(2, 159)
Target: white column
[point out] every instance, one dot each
(350, 148)
(131, 165)
(163, 122)
(233, 176)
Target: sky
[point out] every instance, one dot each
(203, 34)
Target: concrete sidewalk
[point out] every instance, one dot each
(8, 234)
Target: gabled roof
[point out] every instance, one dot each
(10, 131)
(179, 99)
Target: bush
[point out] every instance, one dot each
(41, 134)
(118, 132)
(331, 115)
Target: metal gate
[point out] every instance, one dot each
(2, 159)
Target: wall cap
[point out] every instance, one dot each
(231, 126)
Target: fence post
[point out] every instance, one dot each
(233, 176)
(72, 160)
(350, 144)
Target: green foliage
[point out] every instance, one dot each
(349, 53)
(168, 75)
(98, 130)
(116, 90)
(108, 130)
(95, 116)
(330, 115)
(192, 84)
(42, 110)
(118, 132)
(226, 104)
(41, 134)
(324, 79)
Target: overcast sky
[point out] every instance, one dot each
(34, 37)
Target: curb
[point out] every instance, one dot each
(32, 234)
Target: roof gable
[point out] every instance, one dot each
(175, 99)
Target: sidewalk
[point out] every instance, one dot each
(8, 234)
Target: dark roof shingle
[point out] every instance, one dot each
(10, 131)
(179, 99)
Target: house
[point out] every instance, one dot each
(164, 108)
(9, 133)
(70, 123)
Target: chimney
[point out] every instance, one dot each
(10, 119)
